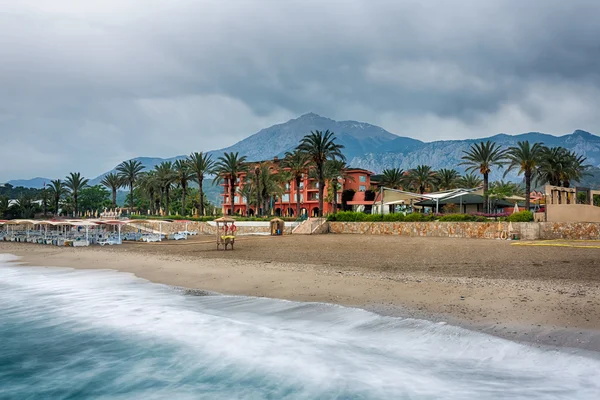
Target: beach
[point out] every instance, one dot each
(543, 294)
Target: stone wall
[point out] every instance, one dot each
(209, 228)
(570, 230)
(474, 230)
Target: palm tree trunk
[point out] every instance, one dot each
(56, 203)
(527, 190)
(232, 195)
(201, 196)
(298, 197)
(334, 187)
(486, 207)
(321, 192)
(182, 200)
(114, 197)
(130, 197)
(167, 201)
(76, 207)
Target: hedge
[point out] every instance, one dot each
(521, 216)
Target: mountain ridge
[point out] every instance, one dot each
(372, 147)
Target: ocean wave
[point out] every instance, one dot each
(106, 334)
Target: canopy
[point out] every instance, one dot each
(225, 219)
(465, 199)
(83, 223)
(24, 222)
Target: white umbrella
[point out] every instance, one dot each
(516, 208)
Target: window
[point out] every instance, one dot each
(287, 186)
(362, 178)
(362, 188)
(285, 198)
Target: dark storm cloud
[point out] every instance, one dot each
(87, 85)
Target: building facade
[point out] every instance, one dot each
(356, 179)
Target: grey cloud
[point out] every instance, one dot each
(86, 85)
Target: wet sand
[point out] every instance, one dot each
(548, 295)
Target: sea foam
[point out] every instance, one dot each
(106, 334)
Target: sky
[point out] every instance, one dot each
(87, 84)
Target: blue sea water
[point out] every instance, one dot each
(101, 334)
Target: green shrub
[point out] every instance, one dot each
(458, 218)
(521, 216)
(347, 216)
(416, 217)
(373, 218)
(394, 217)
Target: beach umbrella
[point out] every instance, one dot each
(516, 208)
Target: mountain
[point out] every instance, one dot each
(448, 153)
(358, 138)
(371, 147)
(34, 183)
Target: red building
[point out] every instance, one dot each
(357, 179)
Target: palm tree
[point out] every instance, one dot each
(113, 182)
(482, 157)
(57, 188)
(74, 182)
(297, 163)
(393, 178)
(183, 175)
(245, 192)
(334, 171)
(320, 147)
(501, 190)
(130, 171)
(526, 158)
(166, 177)
(447, 178)
(228, 166)
(558, 167)
(422, 178)
(201, 165)
(148, 185)
(469, 181)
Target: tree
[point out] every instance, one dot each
(297, 164)
(483, 157)
(559, 166)
(422, 178)
(57, 190)
(525, 157)
(148, 186)
(320, 147)
(183, 175)
(501, 190)
(470, 181)
(130, 171)
(393, 178)
(94, 198)
(4, 204)
(334, 171)
(113, 182)
(74, 182)
(228, 166)
(447, 178)
(201, 165)
(166, 176)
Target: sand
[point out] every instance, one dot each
(546, 295)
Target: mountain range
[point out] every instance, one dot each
(372, 147)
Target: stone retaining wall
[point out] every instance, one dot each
(474, 230)
(208, 228)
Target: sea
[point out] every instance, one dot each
(102, 334)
